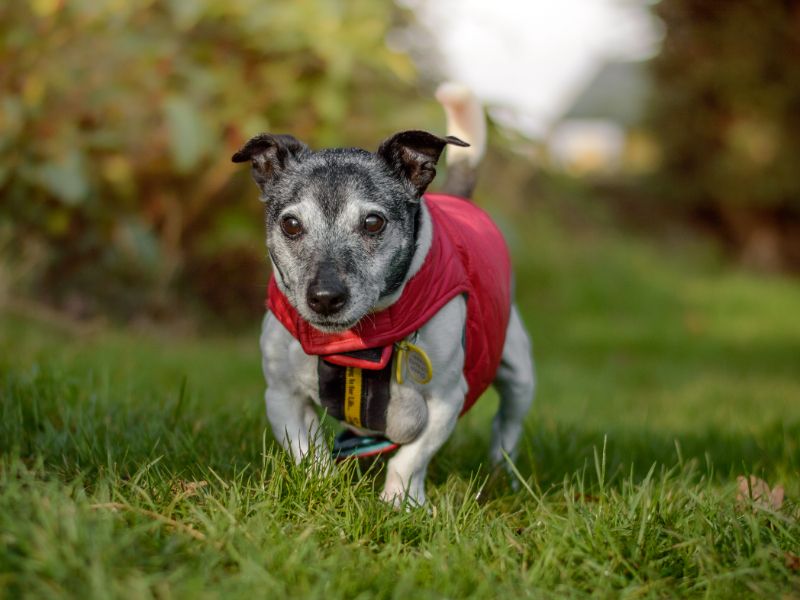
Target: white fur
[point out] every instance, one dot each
(465, 121)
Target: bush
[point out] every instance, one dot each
(119, 119)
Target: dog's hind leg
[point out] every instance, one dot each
(514, 382)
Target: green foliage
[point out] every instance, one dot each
(118, 120)
(727, 106)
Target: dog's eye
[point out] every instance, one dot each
(291, 226)
(374, 223)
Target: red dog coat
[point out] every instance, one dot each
(467, 256)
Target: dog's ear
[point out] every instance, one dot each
(270, 155)
(413, 155)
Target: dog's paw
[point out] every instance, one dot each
(403, 493)
(399, 500)
(406, 415)
(393, 499)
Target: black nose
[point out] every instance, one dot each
(326, 295)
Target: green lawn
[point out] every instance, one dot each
(139, 466)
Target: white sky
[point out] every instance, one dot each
(529, 58)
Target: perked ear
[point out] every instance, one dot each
(270, 155)
(413, 155)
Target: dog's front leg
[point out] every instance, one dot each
(291, 376)
(405, 476)
(296, 426)
(444, 395)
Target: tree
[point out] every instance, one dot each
(727, 111)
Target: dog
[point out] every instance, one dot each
(360, 255)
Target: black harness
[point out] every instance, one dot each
(354, 395)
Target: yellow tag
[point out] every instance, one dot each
(414, 358)
(352, 396)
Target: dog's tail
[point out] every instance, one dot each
(465, 120)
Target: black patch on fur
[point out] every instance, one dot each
(398, 269)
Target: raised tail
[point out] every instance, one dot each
(466, 121)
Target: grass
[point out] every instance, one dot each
(139, 466)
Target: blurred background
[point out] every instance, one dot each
(626, 136)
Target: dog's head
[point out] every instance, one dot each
(341, 222)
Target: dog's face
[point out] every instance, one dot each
(341, 223)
